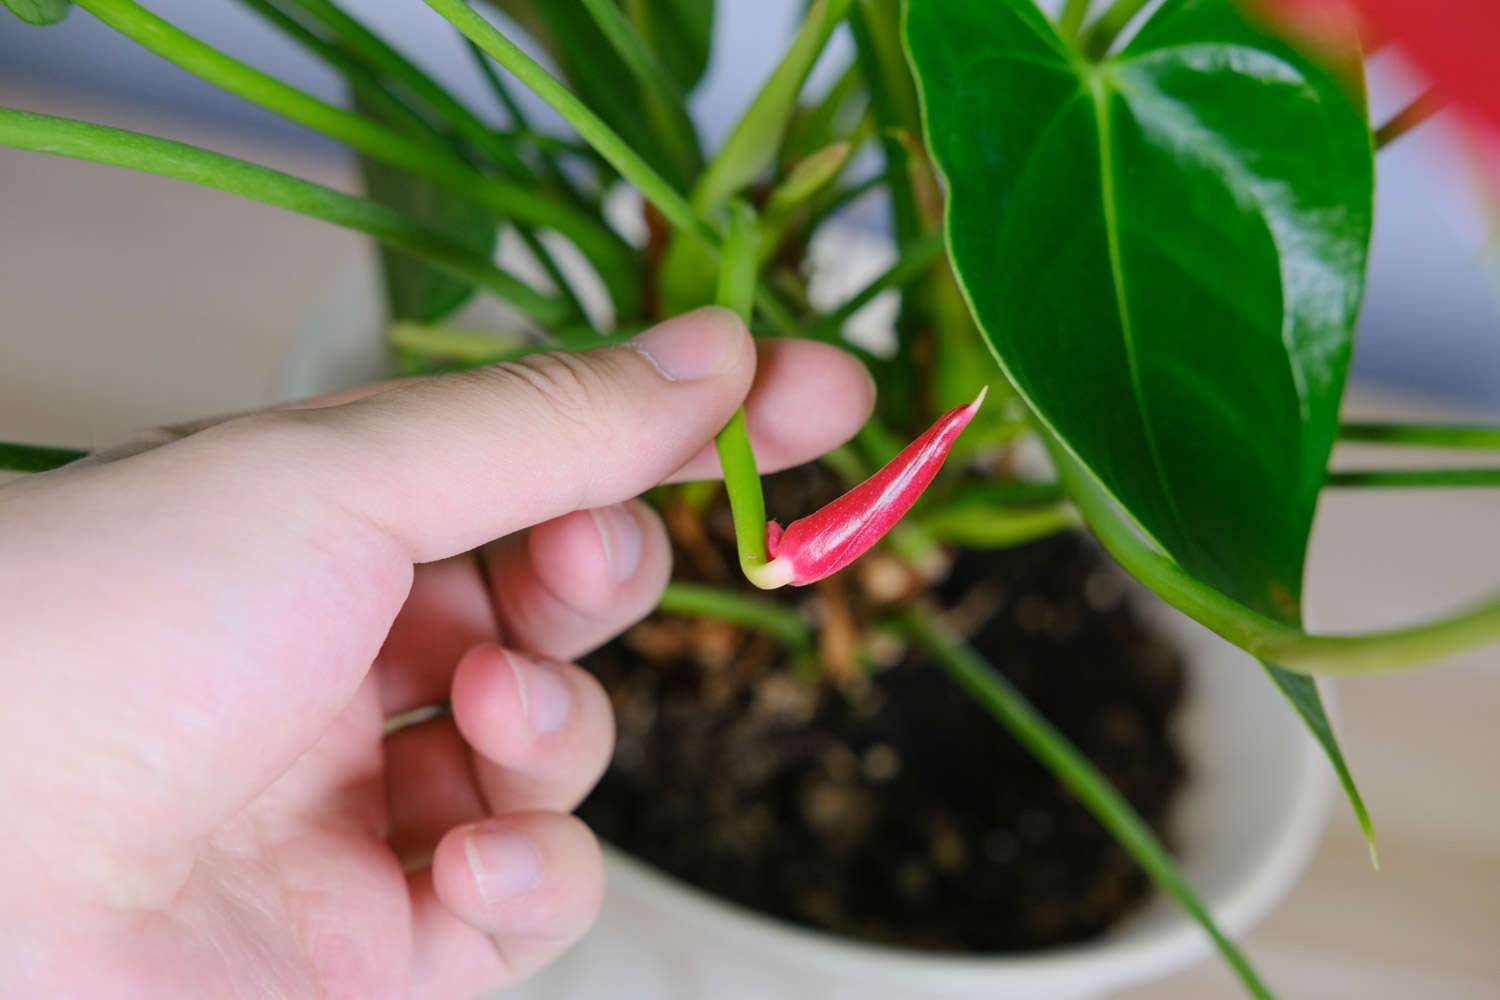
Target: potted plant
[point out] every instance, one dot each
(1161, 240)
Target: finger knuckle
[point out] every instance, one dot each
(564, 386)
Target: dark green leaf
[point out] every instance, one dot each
(1166, 253)
(607, 84)
(681, 32)
(39, 11)
(1302, 691)
(35, 458)
(415, 291)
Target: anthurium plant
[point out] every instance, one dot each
(1143, 228)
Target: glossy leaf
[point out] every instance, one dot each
(1166, 252)
(39, 11)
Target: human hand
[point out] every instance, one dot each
(199, 646)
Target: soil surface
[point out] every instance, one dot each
(889, 807)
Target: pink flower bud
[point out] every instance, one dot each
(822, 543)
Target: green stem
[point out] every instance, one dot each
(1407, 478)
(1071, 19)
(1097, 40)
(760, 613)
(664, 99)
(381, 57)
(353, 71)
(471, 348)
(370, 88)
(835, 200)
(912, 263)
(751, 145)
(117, 147)
(614, 259)
(1257, 634)
(34, 458)
(997, 527)
(1436, 435)
(736, 456)
(376, 53)
(522, 125)
(1001, 699)
(892, 101)
(616, 151)
(1408, 118)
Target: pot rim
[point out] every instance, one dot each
(1132, 952)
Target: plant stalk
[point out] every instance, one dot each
(1418, 111)
(726, 605)
(1001, 699)
(1096, 41)
(380, 56)
(912, 263)
(1435, 435)
(1263, 637)
(521, 126)
(1070, 21)
(149, 154)
(614, 259)
(747, 501)
(1411, 478)
(661, 93)
(615, 151)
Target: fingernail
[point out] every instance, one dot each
(694, 345)
(620, 534)
(504, 863)
(545, 697)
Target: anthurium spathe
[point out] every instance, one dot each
(822, 543)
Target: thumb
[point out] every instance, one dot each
(443, 465)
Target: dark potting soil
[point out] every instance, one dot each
(893, 809)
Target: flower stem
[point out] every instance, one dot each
(472, 348)
(673, 206)
(368, 87)
(117, 147)
(736, 456)
(1001, 699)
(1418, 111)
(908, 267)
(1407, 478)
(726, 605)
(34, 458)
(662, 96)
(521, 125)
(1097, 40)
(590, 126)
(376, 53)
(1436, 435)
(997, 527)
(1071, 19)
(614, 259)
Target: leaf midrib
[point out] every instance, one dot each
(1099, 90)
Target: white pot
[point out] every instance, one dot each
(1246, 823)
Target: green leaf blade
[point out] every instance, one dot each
(1165, 252)
(1302, 692)
(39, 12)
(416, 291)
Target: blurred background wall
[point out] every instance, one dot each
(1430, 321)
